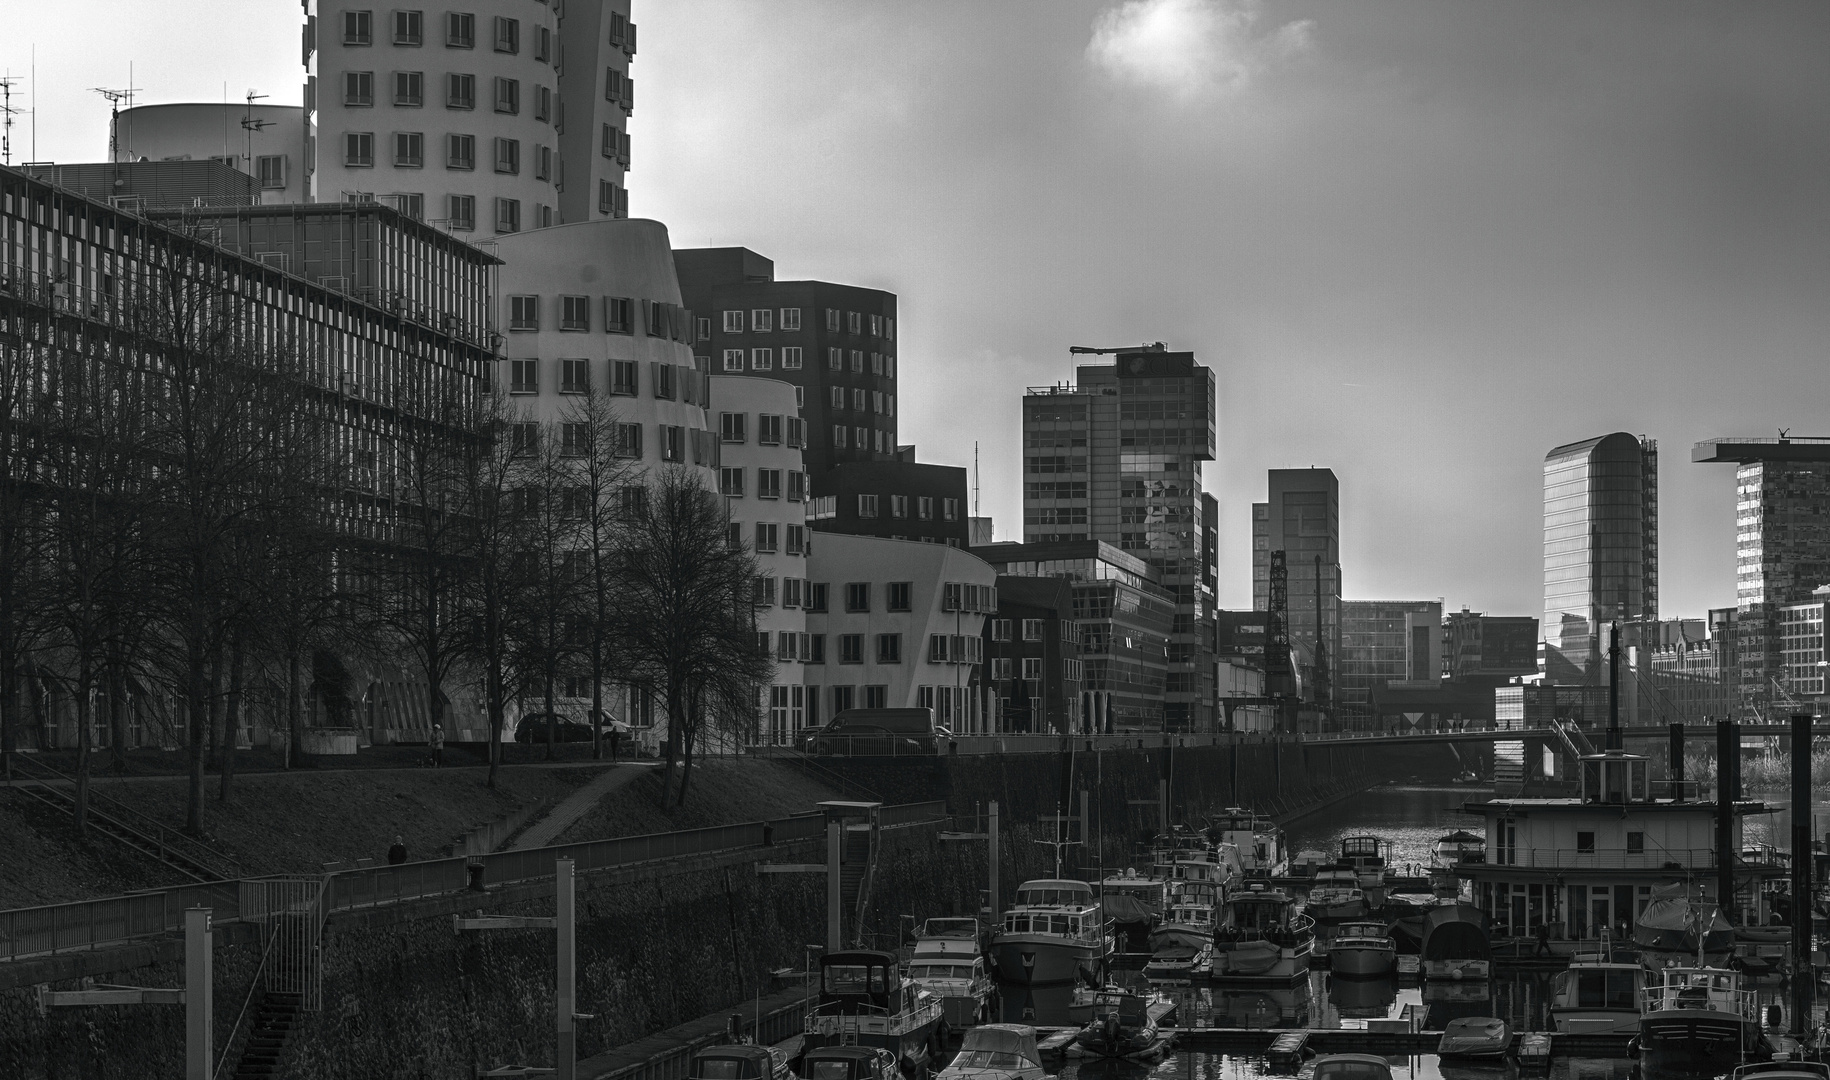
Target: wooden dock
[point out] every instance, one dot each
(1340, 1041)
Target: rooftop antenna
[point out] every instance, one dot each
(251, 125)
(115, 97)
(6, 118)
(975, 478)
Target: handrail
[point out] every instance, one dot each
(254, 987)
(126, 817)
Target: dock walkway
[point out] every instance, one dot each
(665, 1055)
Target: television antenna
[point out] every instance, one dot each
(115, 97)
(250, 125)
(6, 118)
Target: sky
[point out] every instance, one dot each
(1420, 243)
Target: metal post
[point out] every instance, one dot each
(1677, 762)
(199, 1003)
(566, 995)
(1726, 763)
(1086, 858)
(1802, 921)
(1162, 804)
(835, 895)
(991, 833)
(1615, 739)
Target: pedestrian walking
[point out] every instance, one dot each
(1543, 940)
(438, 745)
(397, 852)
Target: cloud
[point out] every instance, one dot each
(1190, 48)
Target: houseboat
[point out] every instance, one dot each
(1456, 945)
(948, 961)
(1189, 920)
(1054, 933)
(1700, 1018)
(1261, 934)
(864, 1001)
(1580, 864)
(1264, 852)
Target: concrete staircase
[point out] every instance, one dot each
(275, 1019)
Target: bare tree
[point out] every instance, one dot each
(550, 567)
(601, 474)
(490, 590)
(22, 412)
(687, 615)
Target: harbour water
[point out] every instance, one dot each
(1411, 818)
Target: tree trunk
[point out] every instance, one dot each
(117, 713)
(10, 705)
(674, 712)
(295, 713)
(597, 694)
(231, 720)
(688, 737)
(198, 707)
(83, 711)
(552, 721)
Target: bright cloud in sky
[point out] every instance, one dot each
(1190, 48)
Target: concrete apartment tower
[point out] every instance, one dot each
(1301, 517)
(505, 116)
(1116, 456)
(1782, 545)
(1600, 552)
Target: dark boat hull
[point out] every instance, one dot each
(1694, 1040)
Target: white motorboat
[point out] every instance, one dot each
(1054, 933)
(1363, 948)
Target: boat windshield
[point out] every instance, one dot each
(1613, 988)
(855, 979)
(722, 1069)
(1054, 897)
(940, 971)
(828, 1070)
(1352, 1070)
(987, 1059)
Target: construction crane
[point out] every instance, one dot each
(1084, 350)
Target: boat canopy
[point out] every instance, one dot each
(1456, 932)
(1125, 907)
(1018, 1040)
(859, 978)
(1054, 893)
(733, 1063)
(1675, 915)
(952, 927)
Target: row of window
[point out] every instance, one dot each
(409, 31)
(772, 429)
(1032, 630)
(763, 359)
(875, 401)
(657, 318)
(460, 93)
(851, 648)
(763, 321)
(863, 438)
(869, 505)
(768, 483)
(1001, 669)
(771, 538)
(666, 382)
(409, 152)
(672, 441)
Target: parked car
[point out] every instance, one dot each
(532, 729)
(878, 732)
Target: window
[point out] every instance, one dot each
(797, 539)
(508, 156)
(797, 428)
(791, 318)
(508, 35)
(857, 596)
(460, 91)
(574, 439)
(835, 359)
(460, 31)
(733, 537)
(358, 88)
(575, 313)
(619, 317)
(629, 441)
(635, 496)
(857, 364)
(815, 653)
(543, 104)
(949, 509)
(523, 437)
(358, 28)
(612, 198)
(460, 152)
(461, 211)
(899, 506)
(623, 377)
(1032, 629)
(763, 595)
(524, 376)
(271, 168)
(924, 507)
(1000, 629)
(508, 95)
(543, 170)
(867, 506)
(762, 320)
(524, 313)
(768, 430)
(731, 426)
(876, 363)
(410, 88)
(543, 44)
(851, 648)
(768, 483)
(837, 394)
(1000, 668)
(662, 379)
(762, 359)
(937, 648)
(1032, 667)
(889, 648)
(1636, 843)
(838, 436)
(767, 533)
(409, 149)
(816, 596)
(574, 376)
(730, 482)
(359, 149)
(797, 486)
(1585, 841)
(409, 27)
(889, 367)
(889, 332)
(862, 440)
(1069, 635)
(609, 141)
(793, 589)
(733, 360)
(673, 443)
(854, 322)
(733, 322)
(704, 329)
(896, 597)
(791, 358)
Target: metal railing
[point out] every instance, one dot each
(1603, 859)
(87, 924)
(168, 845)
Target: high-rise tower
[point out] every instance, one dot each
(1301, 517)
(1600, 551)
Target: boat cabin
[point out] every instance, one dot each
(1053, 906)
(1580, 865)
(1053, 893)
(1361, 931)
(736, 1062)
(1711, 989)
(1132, 1010)
(1365, 854)
(1261, 914)
(849, 1063)
(862, 982)
(1263, 850)
(1609, 986)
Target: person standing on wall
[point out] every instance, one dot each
(438, 745)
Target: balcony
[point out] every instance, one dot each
(1599, 859)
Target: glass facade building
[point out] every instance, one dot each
(1301, 517)
(1600, 551)
(1385, 641)
(1116, 457)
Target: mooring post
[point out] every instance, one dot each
(835, 896)
(1803, 976)
(1676, 771)
(199, 995)
(1727, 764)
(566, 997)
(991, 834)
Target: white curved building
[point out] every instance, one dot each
(761, 473)
(498, 117)
(268, 142)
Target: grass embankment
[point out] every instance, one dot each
(723, 791)
(275, 823)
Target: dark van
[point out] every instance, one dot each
(877, 732)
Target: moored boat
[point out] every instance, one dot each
(1596, 995)
(1699, 1018)
(1366, 856)
(1455, 943)
(1189, 921)
(849, 1063)
(1260, 934)
(1335, 896)
(739, 1061)
(1121, 1027)
(948, 961)
(1179, 964)
(865, 1001)
(1475, 1037)
(1264, 852)
(1306, 862)
(1054, 933)
(1363, 948)
(1133, 903)
(996, 1052)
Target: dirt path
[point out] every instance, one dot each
(574, 806)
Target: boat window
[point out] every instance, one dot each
(719, 1069)
(829, 1070)
(1606, 990)
(1016, 924)
(854, 979)
(1351, 1070)
(1060, 924)
(987, 1059)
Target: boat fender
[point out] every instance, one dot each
(1633, 1047)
